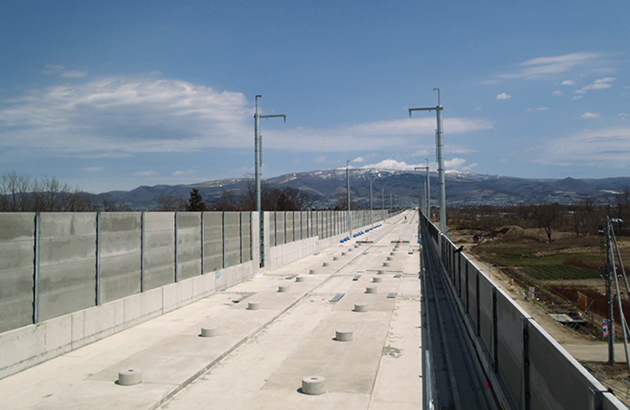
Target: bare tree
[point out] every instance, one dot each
(171, 203)
(227, 202)
(546, 215)
(21, 193)
(342, 202)
(273, 198)
(14, 192)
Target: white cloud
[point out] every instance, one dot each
(358, 159)
(557, 93)
(622, 115)
(183, 173)
(146, 174)
(469, 167)
(117, 116)
(568, 82)
(455, 163)
(54, 69)
(543, 67)
(74, 74)
(599, 84)
(600, 148)
(537, 109)
(504, 96)
(373, 136)
(590, 115)
(394, 165)
(421, 153)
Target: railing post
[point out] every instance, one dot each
(526, 365)
(495, 332)
(478, 303)
(142, 246)
(203, 240)
(240, 236)
(467, 288)
(175, 240)
(97, 290)
(223, 240)
(36, 245)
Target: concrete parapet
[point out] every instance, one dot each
(33, 344)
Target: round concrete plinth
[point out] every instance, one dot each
(380, 272)
(129, 377)
(335, 258)
(377, 280)
(392, 253)
(254, 305)
(300, 279)
(360, 307)
(324, 264)
(357, 245)
(343, 254)
(385, 263)
(311, 271)
(209, 331)
(283, 289)
(389, 258)
(314, 385)
(344, 335)
(371, 289)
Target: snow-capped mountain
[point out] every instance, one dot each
(399, 187)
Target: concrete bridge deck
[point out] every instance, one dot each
(259, 358)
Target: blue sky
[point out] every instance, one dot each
(113, 94)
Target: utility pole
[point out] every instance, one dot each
(610, 271)
(371, 221)
(383, 202)
(426, 192)
(349, 208)
(440, 157)
(257, 174)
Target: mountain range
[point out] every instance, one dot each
(392, 187)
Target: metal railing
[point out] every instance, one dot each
(525, 367)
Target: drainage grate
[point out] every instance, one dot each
(243, 298)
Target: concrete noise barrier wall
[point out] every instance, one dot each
(526, 367)
(67, 279)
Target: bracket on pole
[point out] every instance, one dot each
(440, 157)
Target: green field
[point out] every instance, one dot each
(556, 263)
(560, 272)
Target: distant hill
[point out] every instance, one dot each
(462, 188)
